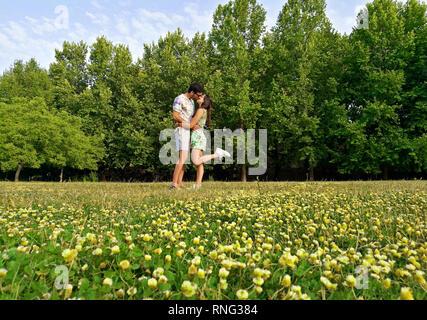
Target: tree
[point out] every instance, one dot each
(32, 135)
(70, 68)
(303, 77)
(26, 80)
(385, 75)
(235, 48)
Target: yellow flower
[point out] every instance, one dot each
(288, 260)
(107, 282)
(406, 294)
(124, 264)
(196, 261)
(152, 283)
(201, 273)
(69, 255)
(163, 279)
(147, 257)
(258, 281)
(85, 267)
(158, 272)
(146, 237)
(97, 252)
(131, 246)
(188, 288)
(91, 237)
(223, 284)
(296, 290)
(115, 249)
(102, 265)
(258, 290)
(223, 273)
(3, 272)
(258, 272)
(419, 277)
(192, 270)
(242, 294)
(213, 255)
(131, 291)
(158, 251)
(168, 259)
(120, 293)
(350, 281)
(330, 286)
(180, 252)
(386, 283)
(286, 281)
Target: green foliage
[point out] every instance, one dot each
(25, 80)
(31, 135)
(347, 104)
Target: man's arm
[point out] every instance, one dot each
(177, 117)
(179, 121)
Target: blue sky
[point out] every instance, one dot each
(34, 28)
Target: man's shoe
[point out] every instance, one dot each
(173, 187)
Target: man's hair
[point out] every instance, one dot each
(196, 87)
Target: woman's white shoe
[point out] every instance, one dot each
(222, 153)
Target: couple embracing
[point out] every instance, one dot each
(189, 127)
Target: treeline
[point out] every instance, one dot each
(335, 106)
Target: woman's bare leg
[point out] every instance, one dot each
(200, 172)
(198, 158)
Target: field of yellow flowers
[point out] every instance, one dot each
(330, 240)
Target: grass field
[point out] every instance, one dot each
(329, 240)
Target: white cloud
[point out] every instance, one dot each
(79, 32)
(124, 3)
(15, 31)
(122, 26)
(100, 19)
(5, 42)
(152, 16)
(96, 4)
(200, 20)
(43, 27)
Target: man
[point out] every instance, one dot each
(183, 110)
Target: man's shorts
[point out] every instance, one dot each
(182, 138)
(198, 140)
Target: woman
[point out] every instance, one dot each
(202, 118)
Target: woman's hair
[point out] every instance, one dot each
(208, 105)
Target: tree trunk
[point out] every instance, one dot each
(102, 175)
(311, 172)
(244, 179)
(61, 175)
(244, 173)
(18, 171)
(385, 172)
(278, 170)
